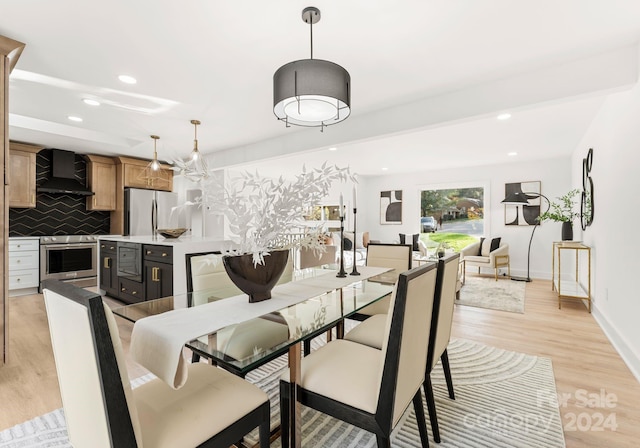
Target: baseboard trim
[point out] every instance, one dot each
(630, 358)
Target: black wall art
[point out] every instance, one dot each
(391, 207)
(586, 205)
(522, 215)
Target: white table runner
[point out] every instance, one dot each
(157, 341)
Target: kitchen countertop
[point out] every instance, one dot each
(161, 241)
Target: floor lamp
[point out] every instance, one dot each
(523, 199)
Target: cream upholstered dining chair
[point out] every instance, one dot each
(489, 253)
(213, 409)
(385, 255)
(367, 387)
(371, 332)
(207, 277)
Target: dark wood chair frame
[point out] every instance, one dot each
(428, 389)
(116, 409)
(380, 423)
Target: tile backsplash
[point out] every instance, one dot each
(58, 214)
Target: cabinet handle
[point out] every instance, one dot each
(95, 201)
(164, 254)
(148, 252)
(134, 292)
(18, 280)
(18, 246)
(17, 261)
(33, 198)
(112, 247)
(102, 246)
(107, 262)
(123, 289)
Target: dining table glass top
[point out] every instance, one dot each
(244, 346)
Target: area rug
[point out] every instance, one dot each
(486, 292)
(498, 404)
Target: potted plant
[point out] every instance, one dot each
(264, 218)
(562, 211)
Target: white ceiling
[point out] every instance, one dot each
(428, 76)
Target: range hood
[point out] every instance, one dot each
(63, 178)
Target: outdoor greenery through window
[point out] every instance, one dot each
(454, 216)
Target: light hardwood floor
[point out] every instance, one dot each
(584, 362)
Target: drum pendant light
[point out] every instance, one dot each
(311, 92)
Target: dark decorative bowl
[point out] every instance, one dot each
(171, 233)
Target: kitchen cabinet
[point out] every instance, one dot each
(135, 175)
(108, 270)
(24, 266)
(130, 291)
(22, 175)
(158, 271)
(101, 179)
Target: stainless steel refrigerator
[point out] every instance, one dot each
(139, 211)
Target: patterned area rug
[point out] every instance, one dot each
(486, 292)
(497, 405)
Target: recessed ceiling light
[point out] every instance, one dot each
(127, 79)
(74, 118)
(512, 154)
(333, 149)
(504, 116)
(385, 168)
(91, 102)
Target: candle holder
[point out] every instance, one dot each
(342, 272)
(354, 270)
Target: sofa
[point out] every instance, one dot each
(361, 243)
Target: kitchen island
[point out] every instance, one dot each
(148, 267)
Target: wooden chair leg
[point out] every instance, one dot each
(265, 432)
(383, 442)
(447, 373)
(284, 414)
(431, 407)
(422, 424)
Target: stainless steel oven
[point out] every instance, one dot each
(71, 258)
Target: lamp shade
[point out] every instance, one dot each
(311, 92)
(515, 199)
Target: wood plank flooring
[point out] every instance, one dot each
(585, 364)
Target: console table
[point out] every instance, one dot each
(566, 285)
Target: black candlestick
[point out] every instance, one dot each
(342, 272)
(355, 270)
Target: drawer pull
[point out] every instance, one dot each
(149, 252)
(123, 289)
(112, 247)
(134, 292)
(164, 254)
(17, 261)
(18, 279)
(107, 262)
(19, 246)
(102, 246)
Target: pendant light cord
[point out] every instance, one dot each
(311, 26)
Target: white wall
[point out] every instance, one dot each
(555, 177)
(614, 136)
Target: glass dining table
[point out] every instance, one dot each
(245, 346)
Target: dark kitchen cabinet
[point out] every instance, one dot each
(108, 268)
(158, 271)
(158, 280)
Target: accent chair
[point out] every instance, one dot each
(486, 254)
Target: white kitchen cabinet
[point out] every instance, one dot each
(24, 266)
